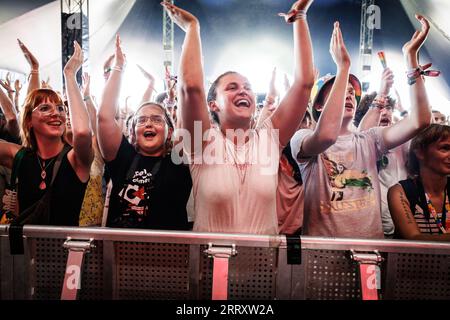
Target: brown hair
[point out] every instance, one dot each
(433, 133)
(212, 93)
(33, 99)
(169, 144)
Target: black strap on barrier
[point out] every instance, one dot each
(294, 249)
(16, 240)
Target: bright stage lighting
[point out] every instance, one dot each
(255, 60)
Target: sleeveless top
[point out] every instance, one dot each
(68, 190)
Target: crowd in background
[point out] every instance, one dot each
(322, 160)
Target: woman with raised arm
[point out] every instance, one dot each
(42, 130)
(235, 180)
(420, 205)
(149, 190)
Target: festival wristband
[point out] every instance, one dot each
(414, 74)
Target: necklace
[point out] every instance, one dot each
(240, 158)
(439, 220)
(43, 185)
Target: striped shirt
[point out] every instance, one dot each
(426, 226)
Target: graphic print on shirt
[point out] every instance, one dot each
(342, 180)
(135, 198)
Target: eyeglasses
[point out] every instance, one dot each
(154, 119)
(47, 109)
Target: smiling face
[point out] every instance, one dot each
(436, 156)
(43, 116)
(234, 101)
(151, 130)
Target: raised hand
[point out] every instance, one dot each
(337, 48)
(146, 74)
(75, 62)
(17, 86)
(86, 85)
(119, 56)
(286, 83)
(302, 5)
(45, 84)
(31, 59)
(181, 17)
(6, 84)
(387, 80)
(418, 39)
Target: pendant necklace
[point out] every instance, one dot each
(43, 185)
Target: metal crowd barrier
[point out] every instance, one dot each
(103, 263)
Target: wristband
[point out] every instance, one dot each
(117, 68)
(404, 113)
(414, 74)
(86, 98)
(293, 15)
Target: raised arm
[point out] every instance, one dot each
(147, 96)
(17, 88)
(420, 113)
(372, 117)
(34, 82)
(81, 128)
(109, 133)
(291, 110)
(88, 100)
(6, 105)
(330, 122)
(191, 91)
(270, 102)
(403, 218)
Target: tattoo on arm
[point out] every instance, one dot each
(406, 209)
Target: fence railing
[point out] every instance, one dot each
(103, 263)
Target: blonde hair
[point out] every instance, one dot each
(34, 99)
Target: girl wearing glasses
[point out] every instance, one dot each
(149, 190)
(42, 131)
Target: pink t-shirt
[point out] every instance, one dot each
(234, 187)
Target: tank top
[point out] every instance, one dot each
(68, 190)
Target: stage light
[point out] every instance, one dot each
(255, 60)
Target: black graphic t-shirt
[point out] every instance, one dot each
(152, 198)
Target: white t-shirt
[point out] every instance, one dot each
(390, 175)
(234, 187)
(342, 191)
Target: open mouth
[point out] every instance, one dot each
(384, 122)
(349, 106)
(149, 134)
(242, 103)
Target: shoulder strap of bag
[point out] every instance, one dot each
(58, 161)
(132, 169)
(16, 165)
(411, 192)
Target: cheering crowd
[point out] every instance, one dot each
(322, 160)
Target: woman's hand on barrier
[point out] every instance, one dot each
(181, 17)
